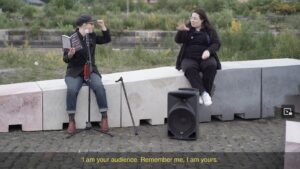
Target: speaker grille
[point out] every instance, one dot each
(183, 114)
(181, 121)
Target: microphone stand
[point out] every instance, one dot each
(88, 82)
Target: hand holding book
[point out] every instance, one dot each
(71, 52)
(71, 42)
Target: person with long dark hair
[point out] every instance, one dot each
(77, 58)
(200, 42)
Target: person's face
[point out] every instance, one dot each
(88, 26)
(195, 20)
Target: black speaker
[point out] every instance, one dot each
(182, 114)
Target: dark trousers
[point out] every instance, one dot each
(192, 69)
(74, 85)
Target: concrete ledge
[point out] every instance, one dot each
(113, 93)
(54, 104)
(248, 89)
(147, 93)
(280, 82)
(21, 104)
(280, 85)
(237, 93)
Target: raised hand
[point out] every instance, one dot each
(101, 24)
(181, 26)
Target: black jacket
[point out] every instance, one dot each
(76, 63)
(182, 37)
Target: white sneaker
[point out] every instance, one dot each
(206, 99)
(200, 99)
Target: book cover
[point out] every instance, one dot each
(72, 41)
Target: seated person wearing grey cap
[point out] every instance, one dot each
(77, 58)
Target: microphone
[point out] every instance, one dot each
(87, 40)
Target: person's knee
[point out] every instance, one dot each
(211, 64)
(97, 84)
(72, 91)
(99, 87)
(190, 71)
(211, 68)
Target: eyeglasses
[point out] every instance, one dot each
(194, 18)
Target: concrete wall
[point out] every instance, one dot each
(54, 104)
(21, 104)
(248, 89)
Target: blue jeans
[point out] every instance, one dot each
(74, 85)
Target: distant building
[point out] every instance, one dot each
(35, 2)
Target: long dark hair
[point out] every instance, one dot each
(203, 16)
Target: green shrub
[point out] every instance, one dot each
(214, 5)
(65, 29)
(248, 43)
(11, 5)
(283, 7)
(34, 30)
(293, 21)
(114, 22)
(6, 22)
(66, 4)
(28, 11)
(241, 9)
(152, 21)
(221, 19)
(287, 46)
(175, 6)
(98, 9)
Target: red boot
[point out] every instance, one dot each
(72, 127)
(104, 125)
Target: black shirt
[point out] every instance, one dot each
(198, 42)
(77, 62)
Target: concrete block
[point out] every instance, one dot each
(21, 104)
(263, 63)
(237, 92)
(54, 104)
(147, 93)
(243, 88)
(113, 101)
(3, 35)
(280, 86)
(276, 73)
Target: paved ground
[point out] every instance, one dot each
(246, 143)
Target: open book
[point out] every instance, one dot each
(72, 41)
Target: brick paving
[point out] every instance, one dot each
(247, 143)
